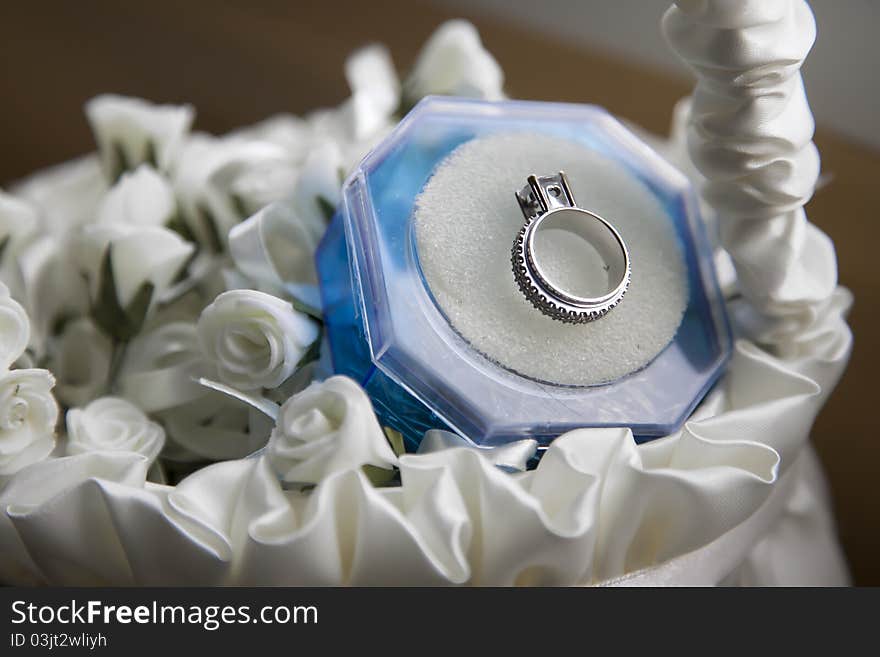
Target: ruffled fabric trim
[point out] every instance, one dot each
(597, 506)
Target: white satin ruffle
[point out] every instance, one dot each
(596, 508)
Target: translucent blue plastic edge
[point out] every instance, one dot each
(377, 339)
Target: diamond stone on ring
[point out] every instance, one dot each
(547, 203)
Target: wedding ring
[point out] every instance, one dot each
(547, 203)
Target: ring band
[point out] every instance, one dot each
(547, 203)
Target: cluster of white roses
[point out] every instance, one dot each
(28, 411)
(161, 281)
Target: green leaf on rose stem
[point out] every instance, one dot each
(136, 311)
(215, 242)
(177, 223)
(60, 323)
(3, 244)
(326, 207)
(378, 476)
(119, 323)
(119, 162)
(395, 439)
(240, 206)
(150, 155)
(106, 311)
(308, 309)
(407, 102)
(183, 273)
(313, 353)
(29, 359)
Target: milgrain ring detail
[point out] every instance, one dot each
(546, 201)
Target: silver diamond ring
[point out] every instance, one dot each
(547, 203)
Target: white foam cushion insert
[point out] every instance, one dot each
(466, 219)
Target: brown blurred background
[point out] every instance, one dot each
(238, 62)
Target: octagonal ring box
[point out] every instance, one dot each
(386, 331)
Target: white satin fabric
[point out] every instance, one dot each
(596, 508)
(750, 135)
(735, 497)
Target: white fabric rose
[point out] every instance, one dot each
(220, 182)
(326, 428)
(162, 367)
(66, 195)
(138, 255)
(81, 362)
(113, 424)
(215, 427)
(318, 189)
(131, 131)
(276, 249)
(19, 223)
(366, 116)
(54, 288)
(454, 62)
(15, 329)
(28, 413)
(292, 133)
(375, 90)
(254, 339)
(141, 197)
(348, 129)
